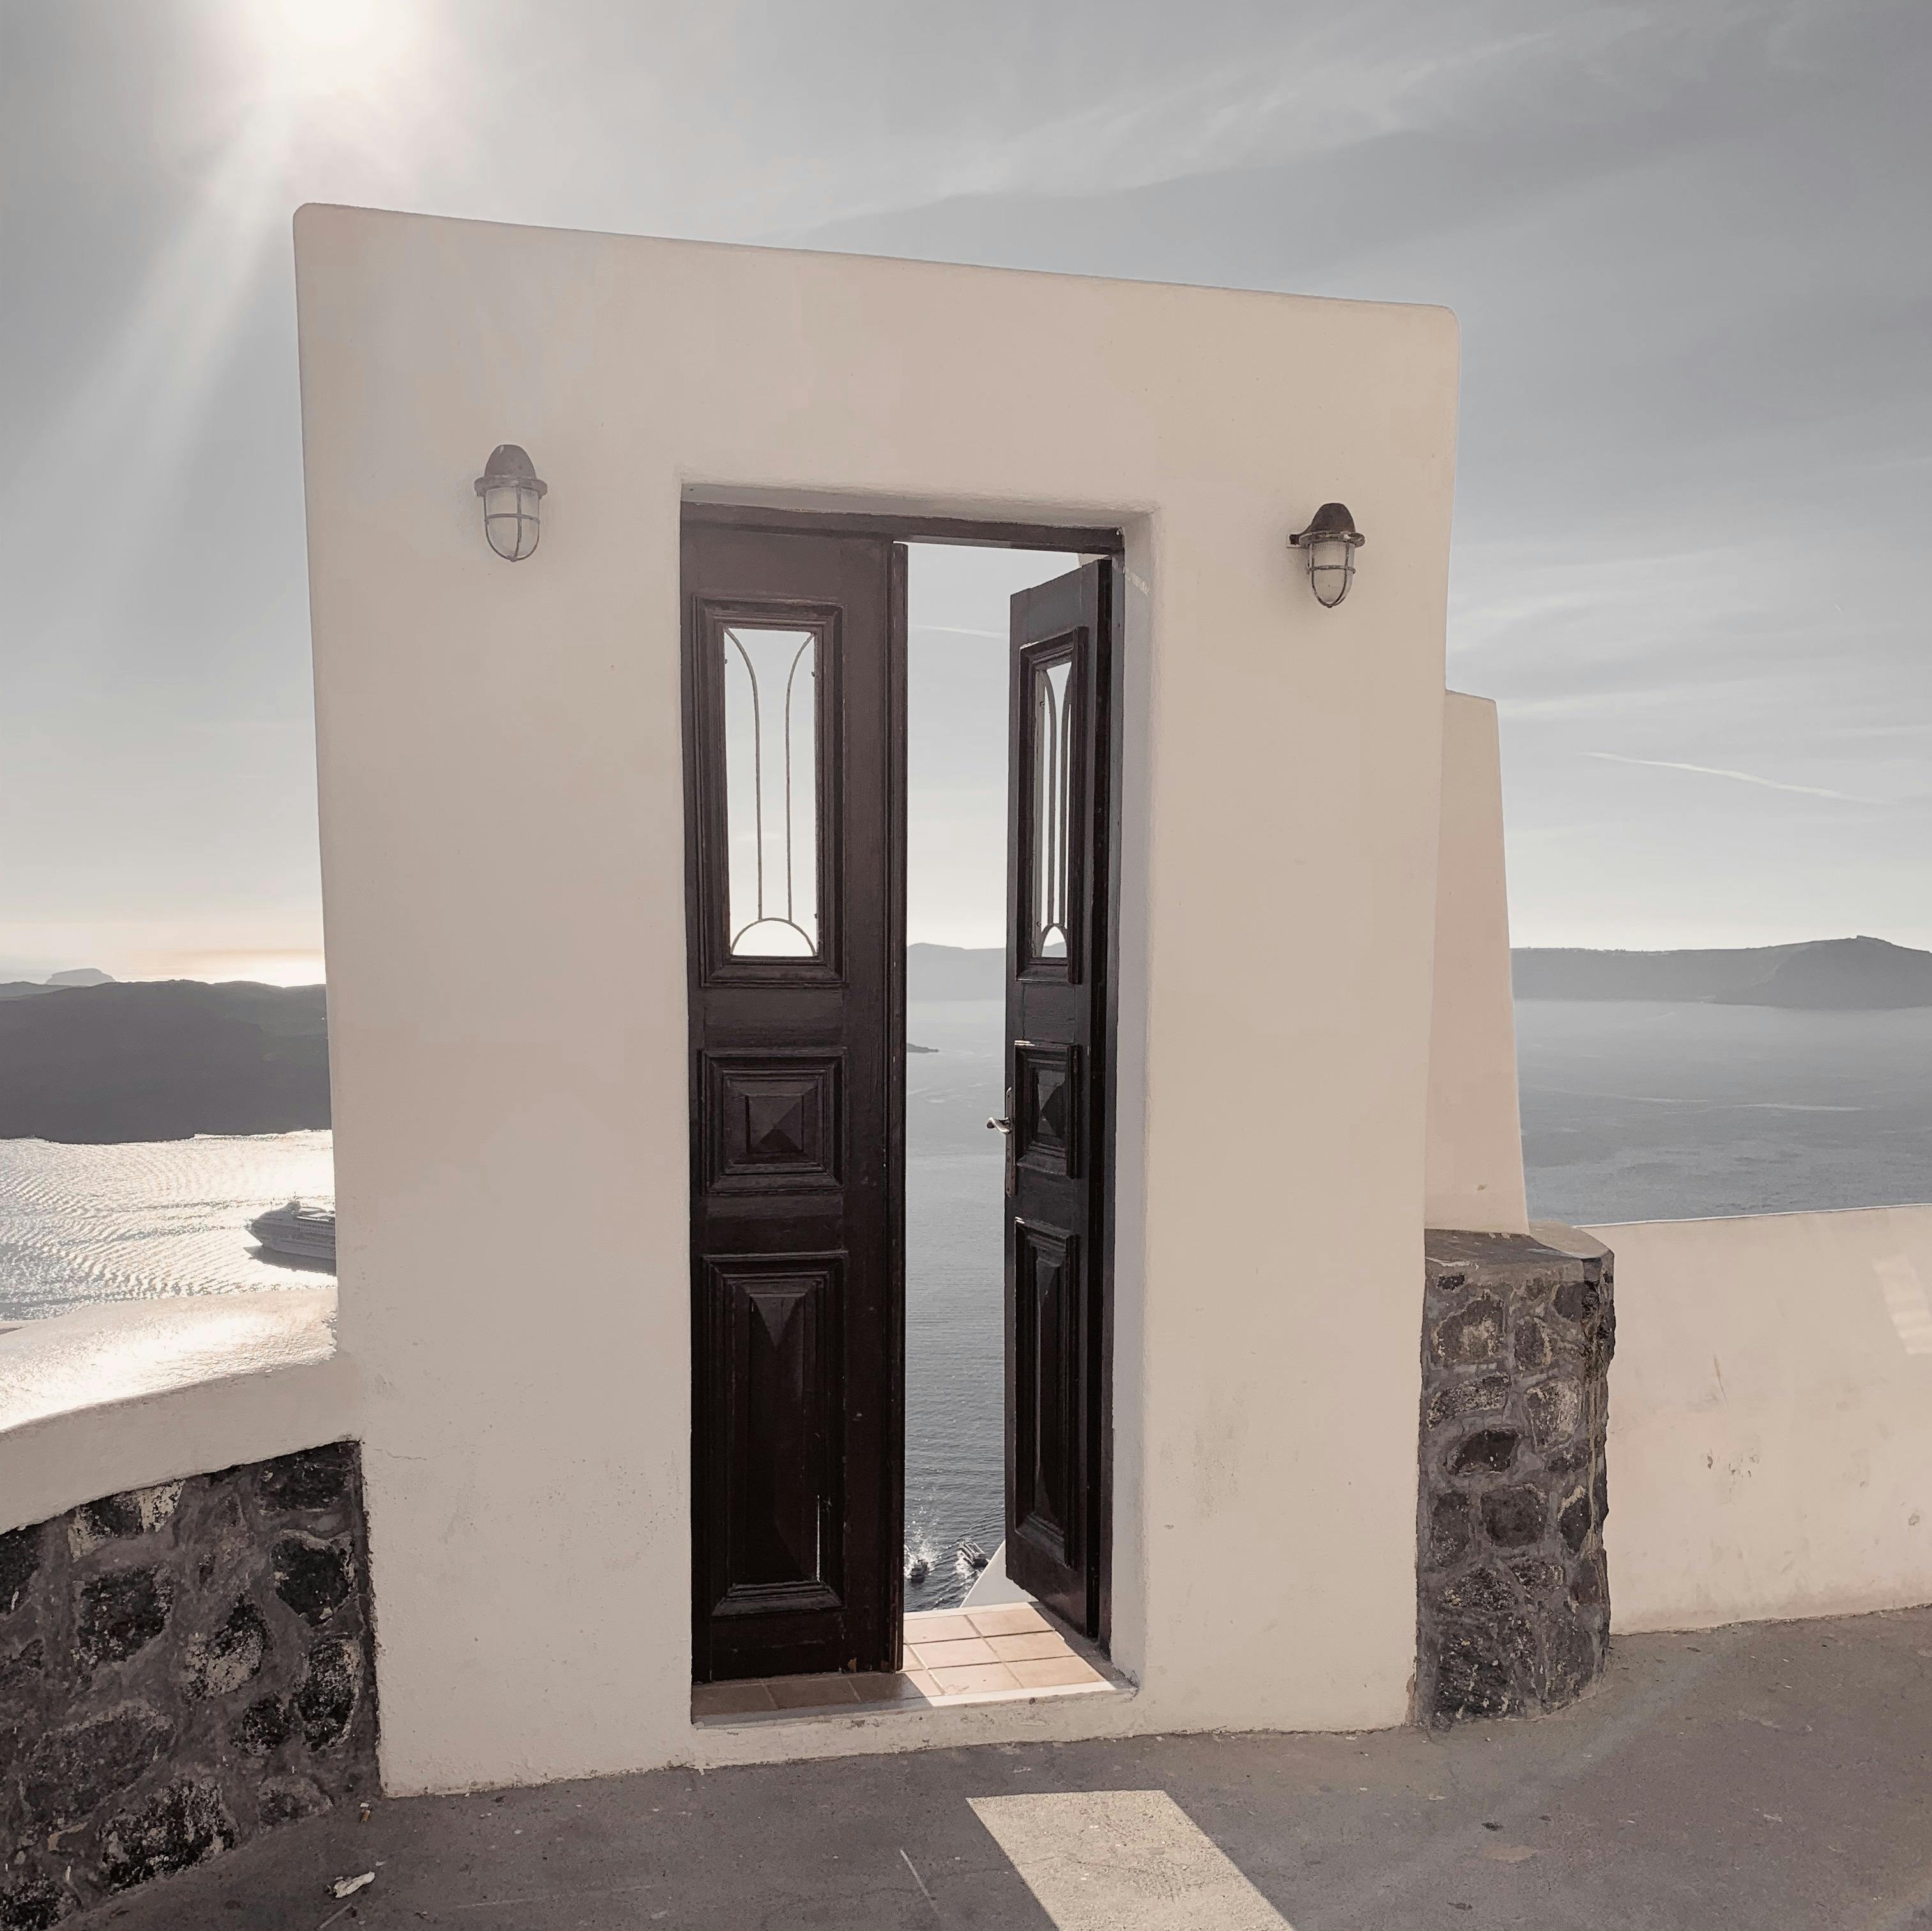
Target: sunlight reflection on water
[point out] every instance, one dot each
(84, 1224)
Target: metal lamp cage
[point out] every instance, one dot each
(1331, 540)
(511, 492)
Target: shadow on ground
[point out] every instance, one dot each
(1778, 1775)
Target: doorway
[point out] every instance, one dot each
(825, 1316)
(957, 785)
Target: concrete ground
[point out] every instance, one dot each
(1775, 1776)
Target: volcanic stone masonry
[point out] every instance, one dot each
(181, 1667)
(1512, 1598)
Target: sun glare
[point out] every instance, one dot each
(312, 47)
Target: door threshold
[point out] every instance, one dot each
(1005, 1653)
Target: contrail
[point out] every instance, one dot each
(1742, 777)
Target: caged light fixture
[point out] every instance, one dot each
(511, 492)
(1331, 540)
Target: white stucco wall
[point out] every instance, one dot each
(1771, 1417)
(503, 877)
(1473, 1176)
(129, 1393)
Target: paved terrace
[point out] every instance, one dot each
(1775, 1776)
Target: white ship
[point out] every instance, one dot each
(300, 1233)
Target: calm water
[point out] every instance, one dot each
(1637, 1112)
(954, 1328)
(1630, 1112)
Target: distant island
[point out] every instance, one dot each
(1825, 974)
(85, 1059)
(1831, 974)
(166, 1059)
(56, 982)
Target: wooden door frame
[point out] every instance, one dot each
(1085, 540)
(1080, 539)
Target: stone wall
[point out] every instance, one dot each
(181, 1667)
(1512, 1596)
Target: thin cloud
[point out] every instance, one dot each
(1742, 777)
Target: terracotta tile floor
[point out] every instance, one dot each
(952, 1656)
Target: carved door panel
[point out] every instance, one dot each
(1058, 964)
(793, 648)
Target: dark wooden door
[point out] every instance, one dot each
(1059, 1145)
(793, 648)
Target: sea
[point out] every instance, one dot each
(1631, 1111)
(955, 1333)
(144, 1220)
(1636, 1111)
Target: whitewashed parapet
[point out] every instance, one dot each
(128, 1394)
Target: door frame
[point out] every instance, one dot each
(1082, 540)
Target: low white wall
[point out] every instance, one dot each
(134, 1392)
(1771, 1417)
(1472, 1175)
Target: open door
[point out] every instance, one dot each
(1059, 1142)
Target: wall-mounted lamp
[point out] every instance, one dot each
(511, 493)
(1331, 541)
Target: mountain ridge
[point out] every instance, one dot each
(163, 1059)
(1860, 973)
(166, 1059)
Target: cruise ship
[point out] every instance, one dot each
(299, 1233)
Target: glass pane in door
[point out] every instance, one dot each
(771, 791)
(1052, 726)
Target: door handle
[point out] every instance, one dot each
(1003, 1126)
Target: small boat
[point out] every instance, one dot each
(972, 1555)
(299, 1233)
(917, 1570)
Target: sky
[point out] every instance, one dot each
(957, 722)
(1685, 242)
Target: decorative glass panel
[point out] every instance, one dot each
(771, 791)
(1052, 806)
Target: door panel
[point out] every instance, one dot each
(1048, 1458)
(776, 1405)
(1047, 1113)
(793, 654)
(1059, 882)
